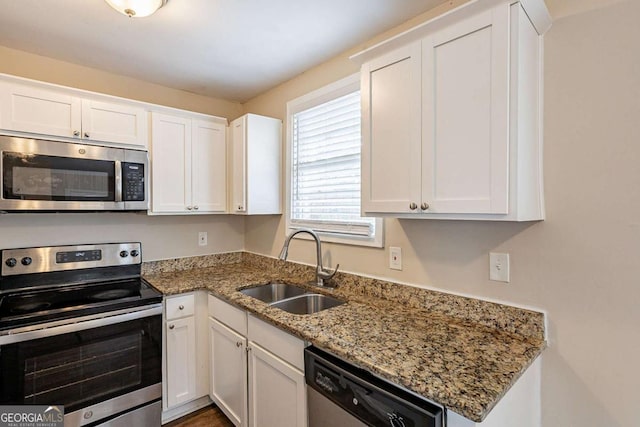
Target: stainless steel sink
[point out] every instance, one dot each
(273, 292)
(307, 304)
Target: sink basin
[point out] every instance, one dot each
(307, 304)
(273, 292)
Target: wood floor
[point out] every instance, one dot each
(210, 416)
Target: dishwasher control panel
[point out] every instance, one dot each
(366, 397)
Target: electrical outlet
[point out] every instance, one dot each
(395, 258)
(202, 238)
(499, 267)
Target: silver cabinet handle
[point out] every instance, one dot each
(424, 206)
(172, 326)
(196, 207)
(86, 134)
(181, 307)
(239, 344)
(189, 208)
(76, 133)
(413, 206)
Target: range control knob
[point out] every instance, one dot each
(135, 253)
(26, 260)
(11, 262)
(124, 254)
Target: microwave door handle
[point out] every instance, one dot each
(118, 181)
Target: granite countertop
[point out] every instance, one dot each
(459, 352)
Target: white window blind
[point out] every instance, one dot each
(325, 174)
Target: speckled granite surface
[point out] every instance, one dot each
(460, 352)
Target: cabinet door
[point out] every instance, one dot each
(208, 167)
(109, 122)
(391, 131)
(170, 164)
(466, 117)
(239, 165)
(277, 393)
(181, 361)
(228, 365)
(27, 109)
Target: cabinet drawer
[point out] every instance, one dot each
(278, 342)
(231, 316)
(180, 306)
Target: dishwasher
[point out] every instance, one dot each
(341, 394)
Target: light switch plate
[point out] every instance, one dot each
(395, 258)
(499, 267)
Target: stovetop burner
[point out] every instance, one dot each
(69, 282)
(111, 294)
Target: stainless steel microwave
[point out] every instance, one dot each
(41, 175)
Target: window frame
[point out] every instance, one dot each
(320, 96)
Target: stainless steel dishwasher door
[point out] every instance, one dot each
(341, 394)
(324, 413)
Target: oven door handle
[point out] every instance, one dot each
(52, 329)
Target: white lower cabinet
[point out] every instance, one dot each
(228, 382)
(277, 391)
(181, 355)
(257, 370)
(185, 370)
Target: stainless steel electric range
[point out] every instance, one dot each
(79, 327)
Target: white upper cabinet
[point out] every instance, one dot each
(451, 117)
(55, 112)
(391, 100)
(208, 161)
(188, 165)
(35, 110)
(255, 165)
(465, 116)
(110, 122)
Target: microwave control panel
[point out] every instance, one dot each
(133, 182)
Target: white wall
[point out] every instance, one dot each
(581, 265)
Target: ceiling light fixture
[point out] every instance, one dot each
(136, 8)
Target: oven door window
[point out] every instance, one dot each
(82, 368)
(40, 177)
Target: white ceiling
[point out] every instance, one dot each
(231, 49)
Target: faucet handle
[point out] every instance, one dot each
(327, 274)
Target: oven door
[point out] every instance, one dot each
(48, 175)
(97, 369)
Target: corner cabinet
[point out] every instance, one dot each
(41, 109)
(277, 388)
(257, 370)
(452, 120)
(188, 165)
(228, 355)
(255, 165)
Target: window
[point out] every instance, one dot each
(324, 165)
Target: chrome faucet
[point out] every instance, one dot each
(321, 273)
